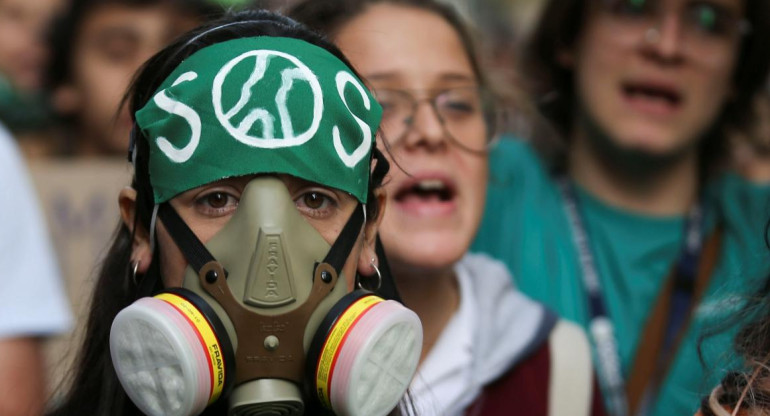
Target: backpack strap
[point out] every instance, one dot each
(651, 363)
(571, 371)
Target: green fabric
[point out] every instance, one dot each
(260, 105)
(238, 4)
(23, 111)
(526, 227)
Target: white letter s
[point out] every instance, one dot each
(352, 159)
(193, 119)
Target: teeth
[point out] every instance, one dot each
(430, 185)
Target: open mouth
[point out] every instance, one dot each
(654, 97)
(426, 191)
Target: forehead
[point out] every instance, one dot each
(396, 39)
(155, 19)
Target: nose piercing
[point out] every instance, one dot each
(652, 35)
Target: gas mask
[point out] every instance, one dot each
(265, 319)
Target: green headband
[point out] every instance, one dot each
(260, 105)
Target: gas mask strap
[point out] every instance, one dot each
(193, 250)
(198, 255)
(342, 247)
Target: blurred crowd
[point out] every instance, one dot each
(65, 71)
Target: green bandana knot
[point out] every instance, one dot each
(260, 105)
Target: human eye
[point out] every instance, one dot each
(316, 203)
(216, 203)
(117, 45)
(458, 103)
(710, 19)
(394, 103)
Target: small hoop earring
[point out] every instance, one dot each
(379, 278)
(133, 272)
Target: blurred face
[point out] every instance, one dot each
(654, 74)
(114, 41)
(435, 203)
(23, 50)
(208, 208)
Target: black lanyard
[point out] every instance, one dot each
(601, 328)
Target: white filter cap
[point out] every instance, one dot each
(159, 359)
(377, 361)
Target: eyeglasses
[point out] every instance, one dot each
(461, 112)
(705, 25)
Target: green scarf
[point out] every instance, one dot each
(260, 105)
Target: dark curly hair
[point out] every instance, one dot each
(748, 390)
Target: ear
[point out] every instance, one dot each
(368, 252)
(140, 247)
(66, 99)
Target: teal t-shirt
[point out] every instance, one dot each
(525, 225)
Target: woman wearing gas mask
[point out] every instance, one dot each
(487, 349)
(231, 286)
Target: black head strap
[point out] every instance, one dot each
(198, 255)
(342, 247)
(193, 250)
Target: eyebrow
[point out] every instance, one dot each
(453, 76)
(382, 76)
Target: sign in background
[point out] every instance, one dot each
(79, 199)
